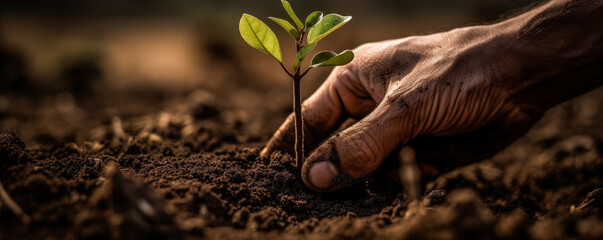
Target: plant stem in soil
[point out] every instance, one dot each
(299, 122)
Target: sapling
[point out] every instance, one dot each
(258, 35)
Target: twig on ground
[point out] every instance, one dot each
(123, 150)
(12, 206)
(410, 175)
(118, 130)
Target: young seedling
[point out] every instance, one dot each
(258, 35)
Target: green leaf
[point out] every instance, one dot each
(313, 19)
(289, 10)
(287, 26)
(327, 25)
(322, 57)
(302, 53)
(328, 58)
(259, 36)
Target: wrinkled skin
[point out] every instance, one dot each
(456, 97)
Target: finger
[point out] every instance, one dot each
(323, 112)
(359, 150)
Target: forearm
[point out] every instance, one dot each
(556, 51)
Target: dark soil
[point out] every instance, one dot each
(178, 169)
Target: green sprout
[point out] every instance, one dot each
(258, 35)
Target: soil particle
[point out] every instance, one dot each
(464, 218)
(12, 150)
(593, 201)
(204, 110)
(240, 217)
(267, 219)
(75, 167)
(212, 207)
(512, 226)
(125, 209)
(43, 188)
(436, 197)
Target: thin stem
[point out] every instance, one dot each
(287, 71)
(299, 44)
(299, 123)
(304, 74)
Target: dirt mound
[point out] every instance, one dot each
(184, 175)
(12, 150)
(125, 209)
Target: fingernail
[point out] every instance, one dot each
(321, 174)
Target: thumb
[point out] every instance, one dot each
(323, 112)
(358, 151)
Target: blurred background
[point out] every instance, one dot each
(181, 44)
(73, 55)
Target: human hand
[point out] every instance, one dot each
(456, 97)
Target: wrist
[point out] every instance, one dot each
(554, 52)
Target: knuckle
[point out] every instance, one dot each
(361, 155)
(396, 99)
(341, 74)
